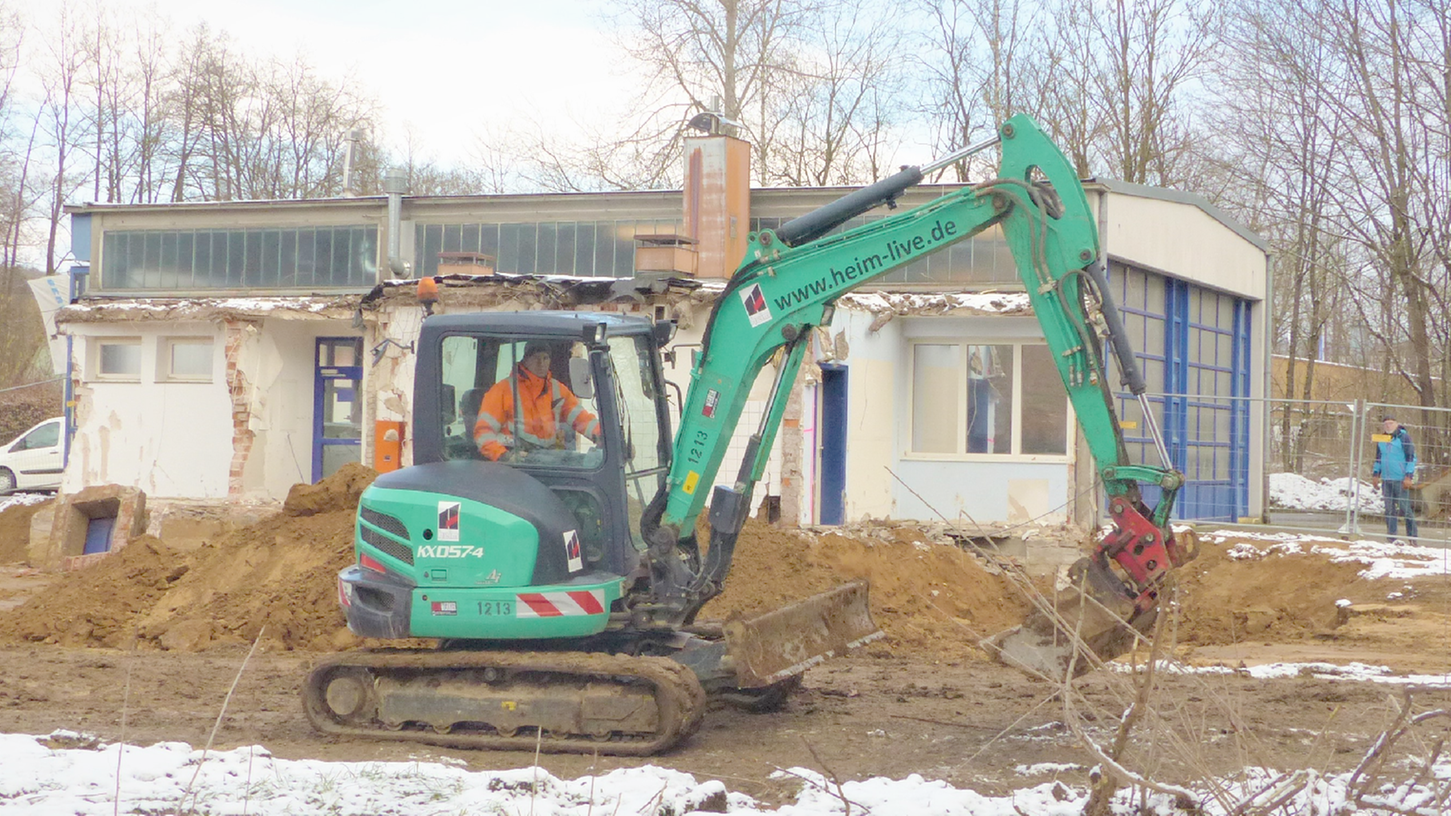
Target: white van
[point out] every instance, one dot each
(34, 460)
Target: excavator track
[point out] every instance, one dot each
(557, 702)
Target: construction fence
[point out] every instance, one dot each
(1318, 459)
(1321, 458)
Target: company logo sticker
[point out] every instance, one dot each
(445, 608)
(712, 398)
(448, 512)
(571, 551)
(756, 308)
(691, 480)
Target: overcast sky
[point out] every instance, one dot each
(447, 68)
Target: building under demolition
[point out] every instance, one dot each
(236, 348)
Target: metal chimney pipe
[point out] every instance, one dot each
(395, 184)
(349, 155)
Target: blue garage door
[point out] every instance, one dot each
(1194, 346)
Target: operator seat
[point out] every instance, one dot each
(469, 408)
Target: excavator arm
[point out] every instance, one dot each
(787, 286)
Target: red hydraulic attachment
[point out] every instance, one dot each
(1144, 552)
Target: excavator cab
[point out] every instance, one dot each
(526, 487)
(517, 544)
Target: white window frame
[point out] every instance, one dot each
(98, 343)
(1070, 426)
(164, 370)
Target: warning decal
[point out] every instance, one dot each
(560, 604)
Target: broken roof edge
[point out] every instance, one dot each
(561, 289)
(153, 309)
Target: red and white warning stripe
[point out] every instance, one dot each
(555, 604)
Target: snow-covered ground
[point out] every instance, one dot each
(1295, 492)
(43, 777)
(1382, 559)
(65, 773)
(23, 498)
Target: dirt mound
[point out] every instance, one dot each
(339, 491)
(280, 573)
(15, 530)
(931, 598)
(1266, 594)
(98, 605)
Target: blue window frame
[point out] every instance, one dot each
(1193, 344)
(337, 417)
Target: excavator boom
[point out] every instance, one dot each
(788, 285)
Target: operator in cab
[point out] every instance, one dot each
(547, 409)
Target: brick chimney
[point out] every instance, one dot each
(717, 201)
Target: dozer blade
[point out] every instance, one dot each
(1092, 609)
(789, 640)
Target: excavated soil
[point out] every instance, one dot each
(15, 530)
(161, 633)
(931, 598)
(276, 579)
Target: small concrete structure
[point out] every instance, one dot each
(63, 545)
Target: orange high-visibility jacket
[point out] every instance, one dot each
(546, 403)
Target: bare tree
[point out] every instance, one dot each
(977, 67)
(1290, 138)
(808, 82)
(61, 79)
(834, 106)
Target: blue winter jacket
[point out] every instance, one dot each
(1396, 459)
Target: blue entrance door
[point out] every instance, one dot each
(337, 415)
(833, 444)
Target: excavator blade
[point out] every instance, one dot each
(1092, 609)
(786, 642)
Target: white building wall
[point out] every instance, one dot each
(166, 438)
(977, 488)
(280, 365)
(178, 439)
(875, 377)
(1182, 239)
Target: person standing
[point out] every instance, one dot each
(1394, 471)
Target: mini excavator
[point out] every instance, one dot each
(563, 580)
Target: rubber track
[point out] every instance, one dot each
(678, 695)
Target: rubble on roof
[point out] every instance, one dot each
(887, 305)
(462, 292)
(98, 310)
(457, 292)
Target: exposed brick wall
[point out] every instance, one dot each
(239, 390)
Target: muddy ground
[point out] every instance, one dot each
(144, 646)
